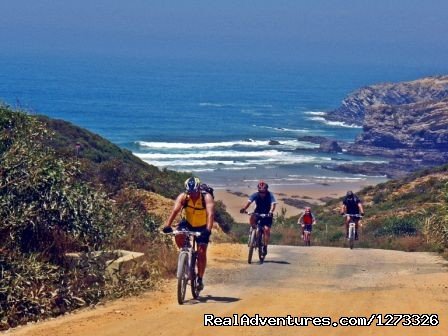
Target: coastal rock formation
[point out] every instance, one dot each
(354, 107)
(330, 146)
(422, 125)
(407, 123)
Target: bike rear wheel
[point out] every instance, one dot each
(251, 246)
(182, 278)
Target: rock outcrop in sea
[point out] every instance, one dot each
(406, 122)
(355, 106)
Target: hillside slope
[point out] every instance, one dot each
(408, 214)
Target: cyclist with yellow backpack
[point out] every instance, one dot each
(198, 209)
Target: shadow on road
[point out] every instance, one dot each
(214, 299)
(281, 262)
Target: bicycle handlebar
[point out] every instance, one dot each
(258, 214)
(353, 215)
(185, 232)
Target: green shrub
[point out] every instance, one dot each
(399, 226)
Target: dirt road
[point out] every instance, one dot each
(295, 281)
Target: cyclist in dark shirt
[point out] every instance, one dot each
(352, 205)
(265, 204)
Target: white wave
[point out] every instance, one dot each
(334, 123)
(275, 160)
(203, 170)
(316, 113)
(226, 144)
(283, 129)
(212, 104)
(335, 178)
(238, 168)
(296, 143)
(208, 154)
(205, 104)
(183, 145)
(369, 161)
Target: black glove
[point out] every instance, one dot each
(362, 214)
(242, 210)
(167, 229)
(270, 214)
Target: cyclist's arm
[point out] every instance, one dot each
(249, 201)
(314, 219)
(343, 209)
(300, 220)
(210, 208)
(178, 204)
(361, 208)
(273, 203)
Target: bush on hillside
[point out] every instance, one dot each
(43, 206)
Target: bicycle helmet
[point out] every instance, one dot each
(307, 210)
(262, 186)
(192, 184)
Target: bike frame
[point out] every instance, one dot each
(187, 253)
(352, 228)
(306, 237)
(256, 241)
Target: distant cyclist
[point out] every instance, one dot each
(352, 205)
(306, 220)
(198, 214)
(265, 203)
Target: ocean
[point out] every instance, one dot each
(213, 119)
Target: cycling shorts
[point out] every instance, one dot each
(266, 221)
(308, 227)
(204, 238)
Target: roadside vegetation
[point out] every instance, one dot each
(66, 192)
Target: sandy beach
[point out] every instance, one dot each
(236, 197)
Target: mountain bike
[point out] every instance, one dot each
(352, 229)
(307, 236)
(187, 265)
(256, 238)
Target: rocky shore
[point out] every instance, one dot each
(407, 123)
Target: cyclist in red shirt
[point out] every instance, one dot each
(306, 220)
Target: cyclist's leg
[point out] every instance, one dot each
(202, 242)
(253, 220)
(267, 232)
(347, 220)
(202, 259)
(356, 228)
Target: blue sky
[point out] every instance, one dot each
(382, 31)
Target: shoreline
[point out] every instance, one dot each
(235, 197)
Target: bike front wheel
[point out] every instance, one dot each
(308, 239)
(351, 237)
(261, 246)
(194, 276)
(182, 277)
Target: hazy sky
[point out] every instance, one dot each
(380, 31)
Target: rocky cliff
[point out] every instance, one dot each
(354, 108)
(422, 125)
(405, 122)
